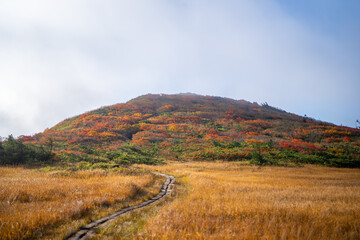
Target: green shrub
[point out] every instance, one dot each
(15, 152)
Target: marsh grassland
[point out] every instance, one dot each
(33, 202)
(211, 201)
(229, 201)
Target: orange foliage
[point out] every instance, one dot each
(254, 141)
(252, 134)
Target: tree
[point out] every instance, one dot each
(15, 152)
(2, 152)
(45, 152)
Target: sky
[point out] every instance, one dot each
(59, 59)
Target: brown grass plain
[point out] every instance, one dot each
(230, 201)
(211, 200)
(33, 202)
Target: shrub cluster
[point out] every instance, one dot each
(15, 152)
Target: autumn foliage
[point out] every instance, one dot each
(194, 127)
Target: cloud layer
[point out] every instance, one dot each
(61, 58)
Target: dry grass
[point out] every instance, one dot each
(228, 201)
(31, 202)
(133, 224)
(211, 201)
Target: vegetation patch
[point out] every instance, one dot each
(52, 203)
(228, 201)
(188, 127)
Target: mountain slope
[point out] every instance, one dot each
(195, 127)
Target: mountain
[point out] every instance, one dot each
(155, 127)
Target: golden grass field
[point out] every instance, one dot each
(210, 201)
(229, 201)
(32, 202)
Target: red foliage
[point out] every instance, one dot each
(26, 138)
(332, 140)
(299, 145)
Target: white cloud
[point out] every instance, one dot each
(61, 58)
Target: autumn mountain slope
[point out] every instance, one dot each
(151, 128)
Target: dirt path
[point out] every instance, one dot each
(89, 230)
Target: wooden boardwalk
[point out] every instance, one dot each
(89, 230)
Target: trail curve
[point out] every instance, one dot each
(89, 230)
